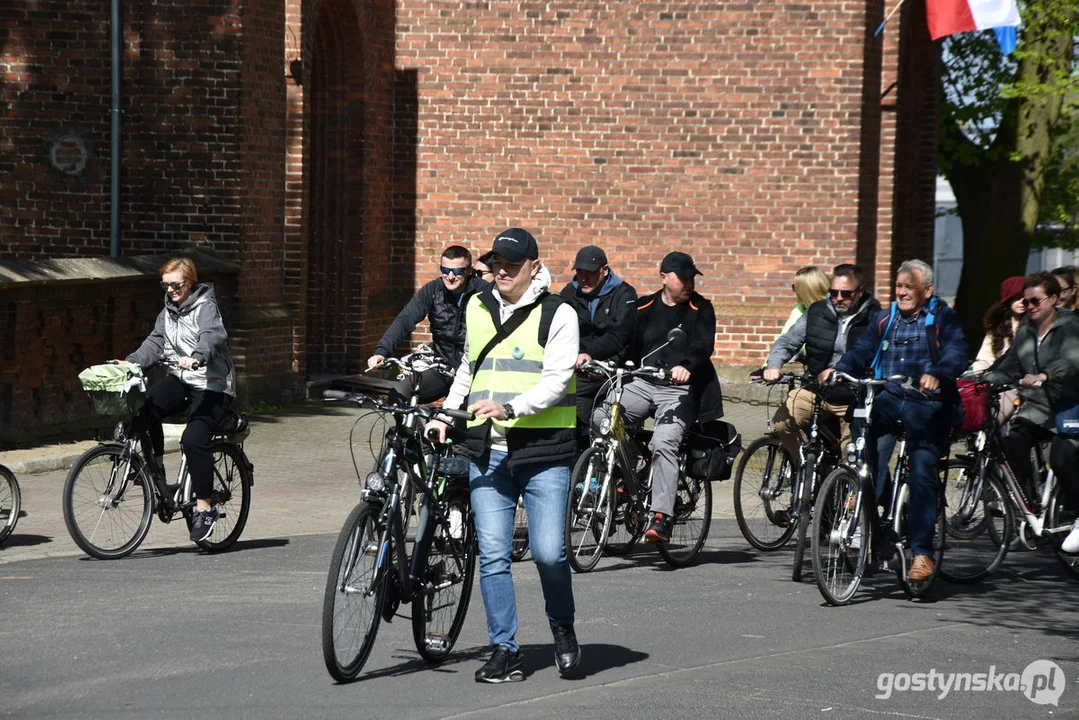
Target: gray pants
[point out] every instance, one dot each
(674, 412)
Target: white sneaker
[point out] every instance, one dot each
(1071, 543)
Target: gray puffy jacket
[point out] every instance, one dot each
(191, 329)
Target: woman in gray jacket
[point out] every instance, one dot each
(190, 339)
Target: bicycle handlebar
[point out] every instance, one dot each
(426, 411)
(422, 359)
(838, 376)
(609, 368)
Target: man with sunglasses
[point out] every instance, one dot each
(920, 337)
(826, 329)
(443, 302)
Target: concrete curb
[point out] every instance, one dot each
(50, 458)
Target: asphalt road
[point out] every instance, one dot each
(170, 632)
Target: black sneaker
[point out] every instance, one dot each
(202, 523)
(504, 666)
(567, 653)
(660, 529)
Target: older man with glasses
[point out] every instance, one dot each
(826, 329)
(442, 301)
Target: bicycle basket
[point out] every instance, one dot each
(974, 397)
(711, 449)
(114, 390)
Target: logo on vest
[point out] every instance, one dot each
(517, 352)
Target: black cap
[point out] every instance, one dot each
(680, 264)
(590, 258)
(516, 244)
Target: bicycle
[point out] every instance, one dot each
(986, 499)
(818, 455)
(371, 572)
(10, 502)
(113, 490)
(520, 532)
(611, 482)
(847, 528)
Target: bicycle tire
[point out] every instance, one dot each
(806, 475)
(231, 495)
(629, 521)
(520, 533)
(1060, 516)
(762, 480)
(692, 519)
(10, 502)
(438, 612)
(108, 516)
(917, 589)
(838, 567)
(589, 513)
(978, 523)
(347, 640)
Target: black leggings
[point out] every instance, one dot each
(205, 410)
(1021, 439)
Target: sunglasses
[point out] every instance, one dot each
(847, 294)
(174, 286)
(453, 271)
(1034, 302)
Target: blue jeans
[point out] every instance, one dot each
(495, 489)
(928, 425)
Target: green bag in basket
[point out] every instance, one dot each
(114, 389)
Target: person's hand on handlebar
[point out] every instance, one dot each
(436, 427)
(825, 375)
(582, 358)
(374, 361)
(188, 363)
(1033, 381)
(928, 383)
(771, 374)
(679, 375)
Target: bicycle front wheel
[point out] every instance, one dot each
(839, 537)
(902, 525)
(355, 591)
(692, 518)
(590, 510)
(763, 485)
(107, 502)
(978, 522)
(441, 600)
(10, 502)
(807, 476)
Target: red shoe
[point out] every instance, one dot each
(660, 529)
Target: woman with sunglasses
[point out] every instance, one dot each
(190, 339)
(443, 302)
(1069, 299)
(810, 285)
(1044, 359)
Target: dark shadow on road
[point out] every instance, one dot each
(645, 556)
(414, 663)
(17, 540)
(595, 659)
(239, 546)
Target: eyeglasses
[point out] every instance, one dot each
(173, 286)
(1034, 302)
(453, 271)
(847, 294)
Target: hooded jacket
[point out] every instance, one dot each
(606, 319)
(191, 329)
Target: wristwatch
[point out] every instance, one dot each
(507, 410)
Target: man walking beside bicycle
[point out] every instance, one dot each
(919, 337)
(826, 329)
(606, 308)
(517, 376)
(693, 389)
(443, 302)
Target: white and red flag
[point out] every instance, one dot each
(952, 16)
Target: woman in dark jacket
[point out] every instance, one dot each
(1044, 359)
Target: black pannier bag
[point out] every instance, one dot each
(711, 449)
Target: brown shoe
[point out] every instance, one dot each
(921, 569)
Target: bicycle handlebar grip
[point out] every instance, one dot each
(432, 434)
(334, 395)
(458, 414)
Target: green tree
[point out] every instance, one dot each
(999, 119)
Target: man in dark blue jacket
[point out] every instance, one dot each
(606, 308)
(921, 337)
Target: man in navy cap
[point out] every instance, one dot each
(606, 309)
(692, 388)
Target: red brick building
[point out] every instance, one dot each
(324, 151)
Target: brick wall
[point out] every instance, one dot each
(732, 131)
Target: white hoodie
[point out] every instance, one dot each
(559, 359)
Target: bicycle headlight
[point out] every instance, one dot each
(605, 426)
(374, 481)
(852, 453)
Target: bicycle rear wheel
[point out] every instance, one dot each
(692, 518)
(839, 558)
(440, 603)
(107, 502)
(590, 510)
(901, 526)
(231, 495)
(520, 532)
(10, 502)
(978, 522)
(806, 476)
(355, 591)
(762, 486)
